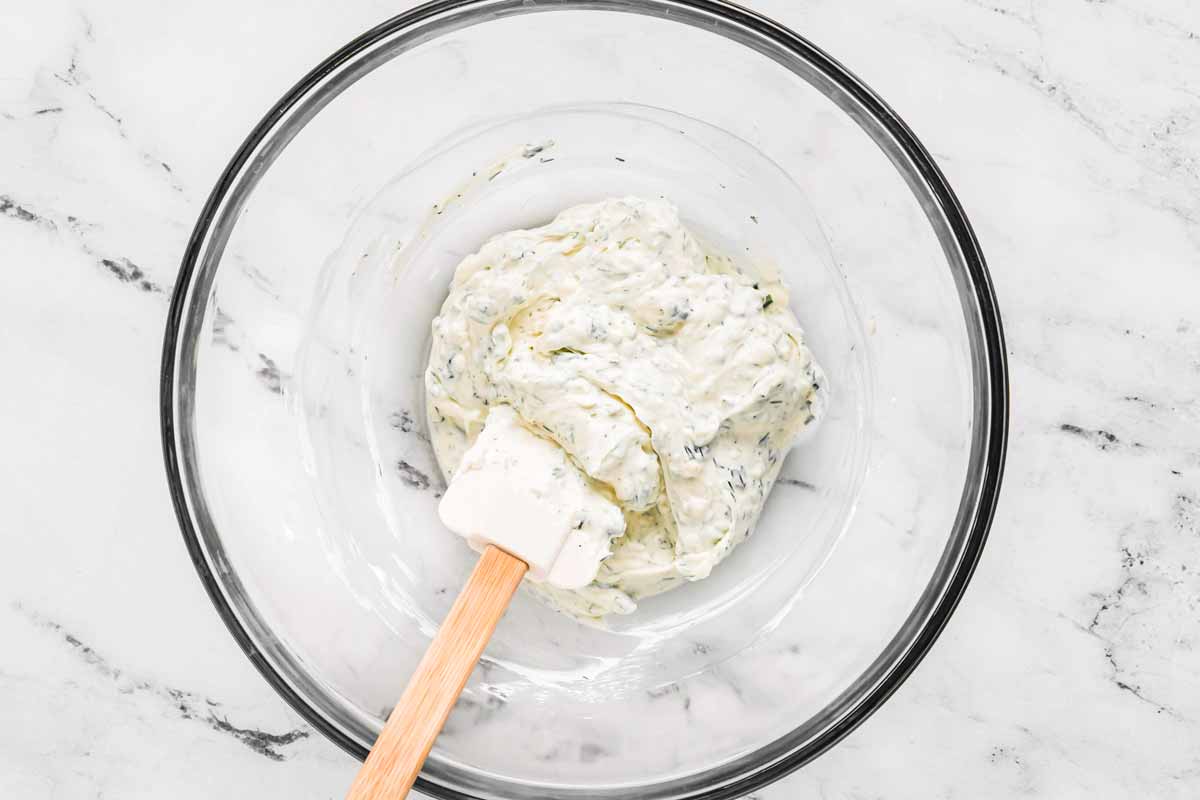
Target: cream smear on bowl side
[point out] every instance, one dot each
(674, 384)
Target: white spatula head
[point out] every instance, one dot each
(522, 493)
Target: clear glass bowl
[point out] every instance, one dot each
(292, 399)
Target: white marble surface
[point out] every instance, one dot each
(1071, 131)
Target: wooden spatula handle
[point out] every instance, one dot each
(395, 760)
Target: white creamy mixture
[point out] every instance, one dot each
(673, 383)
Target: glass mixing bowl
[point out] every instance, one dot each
(292, 400)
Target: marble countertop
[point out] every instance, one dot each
(1070, 130)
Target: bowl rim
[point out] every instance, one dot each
(996, 403)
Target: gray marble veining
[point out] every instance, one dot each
(1071, 131)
